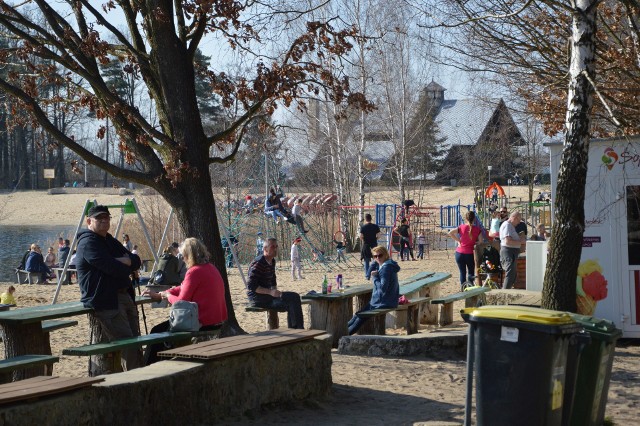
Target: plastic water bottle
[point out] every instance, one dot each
(339, 283)
(324, 285)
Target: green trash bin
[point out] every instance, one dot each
(594, 371)
(519, 356)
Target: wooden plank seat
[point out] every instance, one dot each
(215, 349)
(412, 308)
(272, 322)
(51, 325)
(35, 387)
(9, 365)
(471, 297)
(26, 277)
(116, 346)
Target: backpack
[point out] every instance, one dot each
(491, 255)
(158, 277)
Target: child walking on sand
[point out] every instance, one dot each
(295, 260)
(422, 241)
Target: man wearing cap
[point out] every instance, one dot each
(262, 287)
(104, 267)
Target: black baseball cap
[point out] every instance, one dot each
(96, 211)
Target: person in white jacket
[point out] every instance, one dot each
(295, 260)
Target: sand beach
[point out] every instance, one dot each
(366, 390)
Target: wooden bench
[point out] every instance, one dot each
(272, 322)
(113, 349)
(428, 286)
(28, 389)
(51, 325)
(26, 277)
(470, 296)
(70, 272)
(412, 310)
(9, 365)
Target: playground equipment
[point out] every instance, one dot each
(129, 207)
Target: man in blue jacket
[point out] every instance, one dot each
(104, 267)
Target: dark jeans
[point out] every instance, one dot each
(420, 251)
(466, 266)
(151, 352)
(289, 302)
(404, 244)
(508, 259)
(300, 223)
(356, 322)
(367, 265)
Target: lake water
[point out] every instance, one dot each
(17, 239)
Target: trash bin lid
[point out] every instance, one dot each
(520, 313)
(599, 328)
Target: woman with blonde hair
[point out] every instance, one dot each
(467, 235)
(202, 284)
(386, 288)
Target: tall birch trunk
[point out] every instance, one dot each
(559, 290)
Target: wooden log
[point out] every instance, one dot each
(428, 312)
(413, 319)
(446, 314)
(332, 316)
(101, 364)
(22, 339)
(272, 320)
(369, 327)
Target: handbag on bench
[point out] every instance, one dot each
(184, 316)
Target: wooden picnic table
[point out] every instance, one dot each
(23, 333)
(428, 286)
(331, 312)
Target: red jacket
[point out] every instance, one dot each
(203, 284)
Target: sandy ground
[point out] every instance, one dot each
(367, 390)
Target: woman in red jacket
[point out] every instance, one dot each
(202, 284)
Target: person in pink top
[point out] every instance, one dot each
(467, 236)
(202, 284)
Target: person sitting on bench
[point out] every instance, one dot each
(202, 284)
(262, 291)
(386, 289)
(35, 263)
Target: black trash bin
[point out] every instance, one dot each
(520, 355)
(594, 371)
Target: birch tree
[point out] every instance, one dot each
(515, 35)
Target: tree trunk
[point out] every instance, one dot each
(559, 291)
(194, 205)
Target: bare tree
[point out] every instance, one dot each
(174, 156)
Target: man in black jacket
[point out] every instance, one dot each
(104, 267)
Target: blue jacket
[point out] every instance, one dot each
(35, 263)
(100, 275)
(386, 289)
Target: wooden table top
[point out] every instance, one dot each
(431, 280)
(219, 348)
(44, 312)
(349, 292)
